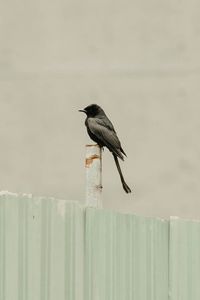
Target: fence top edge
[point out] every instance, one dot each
(182, 219)
(37, 198)
(171, 219)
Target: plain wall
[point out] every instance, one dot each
(138, 60)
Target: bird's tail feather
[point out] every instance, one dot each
(123, 151)
(124, 184)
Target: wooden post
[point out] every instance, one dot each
(93, 165)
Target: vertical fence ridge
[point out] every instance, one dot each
(23, 250)
(2, 249)
(45, 249)
(184, 259)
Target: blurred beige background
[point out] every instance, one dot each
(139, 60)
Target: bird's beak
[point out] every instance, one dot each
(82, 110)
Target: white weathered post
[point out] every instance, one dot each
(93, 165)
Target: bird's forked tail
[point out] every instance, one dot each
(124, 184)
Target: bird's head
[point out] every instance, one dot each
(92, 110)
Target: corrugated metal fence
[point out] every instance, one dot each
(55, 249)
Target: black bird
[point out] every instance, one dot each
(101, 131)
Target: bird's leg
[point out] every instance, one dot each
(101, 147)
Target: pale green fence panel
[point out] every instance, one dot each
(41, 249)
(126, 257)
(55, 249)
(184, 260)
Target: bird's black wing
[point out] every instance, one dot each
(105, 134)
(105, 122)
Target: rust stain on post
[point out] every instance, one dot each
(90, 159)
(91, 145)
(93, 167)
